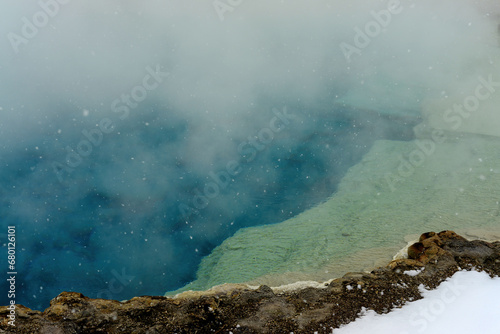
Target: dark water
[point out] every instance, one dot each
(100, 231)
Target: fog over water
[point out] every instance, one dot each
(137, 136)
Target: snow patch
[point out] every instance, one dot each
(465, 303)
(414, 272)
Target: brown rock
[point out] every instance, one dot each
(404, 264)
(426, 236)
(416, 250)
(239, 309)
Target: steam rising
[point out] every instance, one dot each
(117, 213)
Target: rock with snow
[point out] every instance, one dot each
(320, 308)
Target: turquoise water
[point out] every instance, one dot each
(367, 221)
(166, 144)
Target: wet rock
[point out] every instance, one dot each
(239, 309)
(416, 250)
(470, 249)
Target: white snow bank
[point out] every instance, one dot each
(465, 303)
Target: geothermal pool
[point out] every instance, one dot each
(159, 147)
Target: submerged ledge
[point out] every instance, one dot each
(239, 308)
(397, 187)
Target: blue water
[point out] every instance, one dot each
(101, 232)
(137, 210)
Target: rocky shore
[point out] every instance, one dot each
(238, 308)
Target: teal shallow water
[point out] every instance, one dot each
(383, 199)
